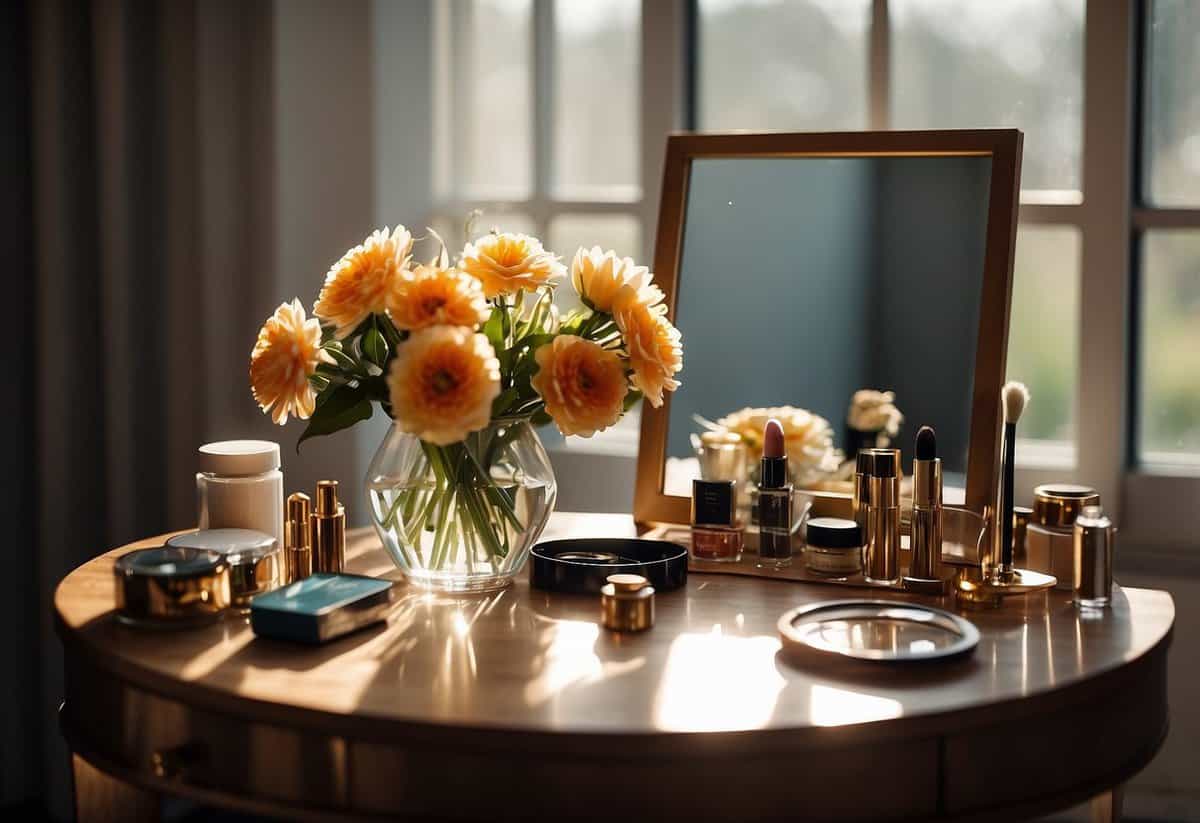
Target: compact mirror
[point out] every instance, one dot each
(801, 269)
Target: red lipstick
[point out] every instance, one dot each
(774, 501)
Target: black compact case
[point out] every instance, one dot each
(582, 566)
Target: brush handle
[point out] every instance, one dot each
(1006, 497)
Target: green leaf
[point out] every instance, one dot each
(341, 407)
(494, 329)
(375, 347)
(343, 360)
(503, 401)
(632, 398)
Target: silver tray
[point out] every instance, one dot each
(877, 631)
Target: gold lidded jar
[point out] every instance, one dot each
(1049, 538)
(627, 603)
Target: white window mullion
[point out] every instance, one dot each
(542, 112)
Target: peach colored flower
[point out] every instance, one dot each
(582, 384)
(506, 263)
(357, 285)
(442, 383)
(286, 354)
(654, 345)
(597, 275)
(436, 295)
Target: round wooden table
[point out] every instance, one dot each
(518, 704)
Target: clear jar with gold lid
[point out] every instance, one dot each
(1049, 537)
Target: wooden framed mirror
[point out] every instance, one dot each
(802, 267)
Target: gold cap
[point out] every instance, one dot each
(327, 502)
(296, 532)
(1058, 504)
(627, 603)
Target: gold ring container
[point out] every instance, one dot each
(627, 603)
(255, 561)
(167, 587)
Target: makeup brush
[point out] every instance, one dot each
(1013, 397)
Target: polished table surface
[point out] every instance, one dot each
(532, 678)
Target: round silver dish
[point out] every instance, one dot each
(878, 631)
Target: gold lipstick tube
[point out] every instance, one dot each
(328, 530)
(863, 464)
(297, 538)
(881, 546)
(925, 564)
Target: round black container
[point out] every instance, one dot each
(583, 566)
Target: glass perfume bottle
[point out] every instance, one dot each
(716, 534)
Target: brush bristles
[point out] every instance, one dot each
(1014, 396)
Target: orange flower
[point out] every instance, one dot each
(506, 263)
(583, 384)
(286, 354)
(357, 285)
(442, 383)
(436, 295)
(655, 350)
(597, 275)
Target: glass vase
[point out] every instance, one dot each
(462, 517)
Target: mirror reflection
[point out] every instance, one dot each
(844, 288)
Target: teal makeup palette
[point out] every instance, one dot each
(321, 607)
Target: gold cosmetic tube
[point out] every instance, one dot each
(297, 537)
(864, 463)
(881, 543)
(926, 555)
(328, 530)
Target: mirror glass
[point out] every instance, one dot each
(805, 279)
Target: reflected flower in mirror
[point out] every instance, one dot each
(808, 436)
(872, 420)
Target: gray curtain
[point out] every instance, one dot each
(144, 236)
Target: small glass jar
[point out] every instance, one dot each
(1049, 537)
(1094, 538)
(833, 547)
(239, 486)
(716, 534)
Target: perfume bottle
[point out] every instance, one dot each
(716, 534)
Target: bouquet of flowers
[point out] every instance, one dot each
(447, 348)
(808, 438)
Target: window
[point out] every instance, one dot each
(1109, 234)
(1167, 422)
(545, 101)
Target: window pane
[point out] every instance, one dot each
(596, 98)
(453, 229)
(783, 64)
(983, 63)
(1043, 348)
(619, 232)
(491, 94)
(1172, 127)
(1168, 426)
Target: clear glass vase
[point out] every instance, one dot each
(462, 517)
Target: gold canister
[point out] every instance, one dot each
(328, 530)
(171, 587)
(1058, 504)
(297, 537)
(1094, 538)
(627, 603)
(255, 561)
